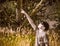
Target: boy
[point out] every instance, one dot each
(41, 37)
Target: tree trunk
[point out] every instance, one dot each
(19, 6)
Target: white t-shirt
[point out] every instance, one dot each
(40, 33)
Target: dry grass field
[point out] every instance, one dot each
(17, 39)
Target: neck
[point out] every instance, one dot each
(40, 29)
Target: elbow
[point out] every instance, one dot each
(35, 28)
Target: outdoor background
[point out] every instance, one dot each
(15, 29)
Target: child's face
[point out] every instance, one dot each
(40, 26)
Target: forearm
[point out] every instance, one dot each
(30, 20)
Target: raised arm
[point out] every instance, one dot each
(29, 19)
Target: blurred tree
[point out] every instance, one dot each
(2, 1)
(39, 10)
